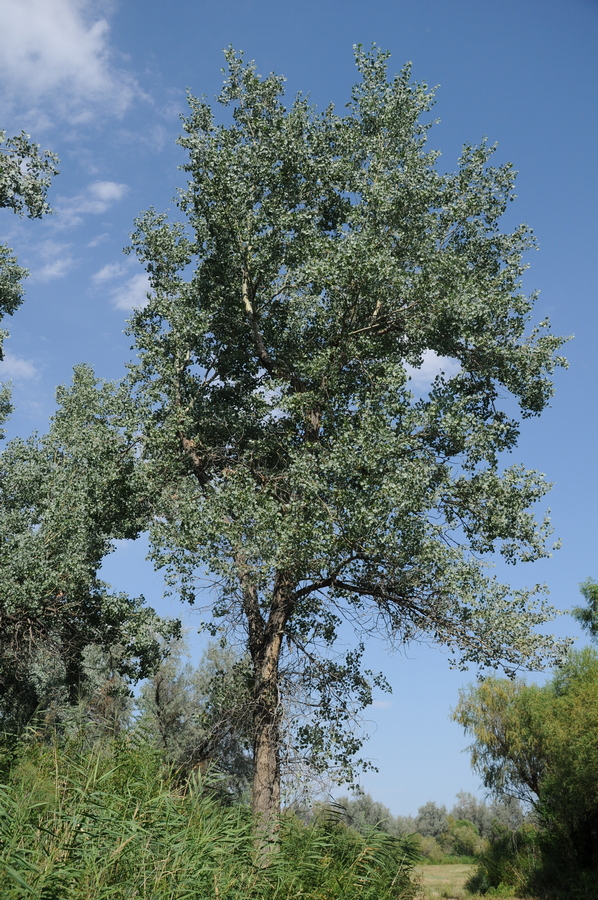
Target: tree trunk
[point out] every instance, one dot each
(265, 799)
(266, 774)
(265, 642)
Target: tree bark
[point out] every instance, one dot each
(265, 643)
(266, 743)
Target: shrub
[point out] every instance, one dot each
(509, 861)
(429, 848)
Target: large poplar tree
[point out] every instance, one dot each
(323, 257)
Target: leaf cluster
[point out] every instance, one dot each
(25, 176)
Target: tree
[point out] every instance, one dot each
(538, 743)
(431, 819)
(290, 464)
(201, 716)
(60, 630)
(363, 813)
(25, 175)
(63, 499)
(587, 615)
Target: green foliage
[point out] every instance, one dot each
(64, 497)
(109, 822)
(502, 812)
(587, 616)
(463, 839)
(325, 254)
(509, 864)
(430, 849)
(539, 742)
(201, 716)
(25, 175)
(441, 837)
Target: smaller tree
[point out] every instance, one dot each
(538, 743)
(504, 812)
(364, 813)
(201, 716)
(463, 838)
(64, 498)
(431, 819)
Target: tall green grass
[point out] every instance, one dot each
(80, 822)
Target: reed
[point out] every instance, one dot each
(81, 822)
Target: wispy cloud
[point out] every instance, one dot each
(100, 239)
(96, 199)
(432, 365)
(56, 59)
(132, 294)
(109, 272)
(57, 269)
(16, 368)
(129, 294)
(56, 261)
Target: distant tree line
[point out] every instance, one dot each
(465, 830)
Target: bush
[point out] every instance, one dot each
(429, 848)
(509, 862)
(463, 839)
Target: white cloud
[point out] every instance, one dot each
(57, 269)
(56, 258)
(55, 56)
(14, 367)
(131, 294)
(104, 193)
(96, 199)
(108, 272)
(99, 239)
(432, 365)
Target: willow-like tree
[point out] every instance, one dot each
(324, 257)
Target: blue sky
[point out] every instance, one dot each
(103, 84)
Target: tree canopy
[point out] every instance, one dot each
(290, 463)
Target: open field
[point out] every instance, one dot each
(447, 882)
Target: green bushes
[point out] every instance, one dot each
(460, 842)
(539, 743)
(109, 822)
(509, 862)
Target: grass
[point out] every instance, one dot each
(108, 823)
(447, 882)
